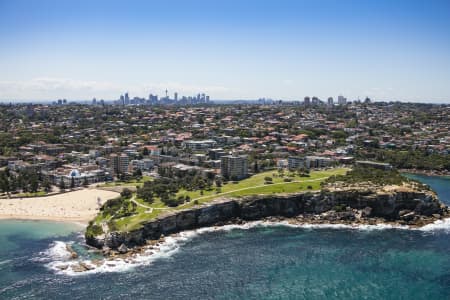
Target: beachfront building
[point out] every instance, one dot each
(119, 163)
(308, 162)
(77, 177)
(296, 162)
(145, 164)
(234, 167)
(314, 162)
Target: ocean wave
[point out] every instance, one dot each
(437, 226)
(3, 262)
(62, 264)
(57, 251)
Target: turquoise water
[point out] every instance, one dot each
(440, 184)
(258, 263)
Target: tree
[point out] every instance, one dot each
(218, 182)
(181, 199)
(46, 185)
(5, 185)
(62, 185)
(34, 184)
(145, 193)
(126, 193)
(137, 174)
(255, 167)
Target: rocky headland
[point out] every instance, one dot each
(364, 203)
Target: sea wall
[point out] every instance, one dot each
(394, 205)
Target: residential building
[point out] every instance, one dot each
(234, 167)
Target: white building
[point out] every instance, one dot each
(199, 145)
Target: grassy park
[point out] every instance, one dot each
(131, 182)
(258, 185)
(271, 182)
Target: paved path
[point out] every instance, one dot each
(258, 186)
(150, 209)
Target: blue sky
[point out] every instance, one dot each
(384, 49)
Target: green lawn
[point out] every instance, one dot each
(37, 194)
(256, 185)
(132, 182)
(250, 186)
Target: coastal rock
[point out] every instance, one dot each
(337, 206)
(122, 249)
(366, 212)
(82, 267)
(72, 252)
(408, 216)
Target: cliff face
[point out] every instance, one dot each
(393, 205)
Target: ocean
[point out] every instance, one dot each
(256, 261)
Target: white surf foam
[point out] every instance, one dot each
(437, 226)
(56, 252)
(172, 244)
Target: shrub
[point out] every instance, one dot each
(113, 226)
(93, 230)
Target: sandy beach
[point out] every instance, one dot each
(77, 206)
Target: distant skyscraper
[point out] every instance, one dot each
(175, 96)
(342, 100)
(307, 101)
(127, 99)
(330, 101)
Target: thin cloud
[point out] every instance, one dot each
(45, 88)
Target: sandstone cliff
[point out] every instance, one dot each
(409, 206)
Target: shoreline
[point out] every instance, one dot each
(82, 222)
(301, 221)
(127, 259)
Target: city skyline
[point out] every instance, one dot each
(230, 50)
